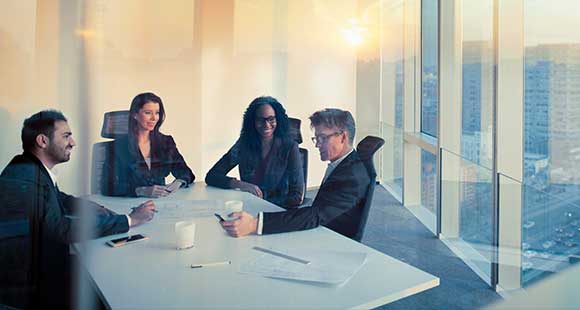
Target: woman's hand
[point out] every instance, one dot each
(175, 185)
(250, 188)
(154, 191)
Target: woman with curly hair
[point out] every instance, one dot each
(268, 160)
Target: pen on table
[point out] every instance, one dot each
(286, 256)
(211, 264)
(133, 208)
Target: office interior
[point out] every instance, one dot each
(478, 102)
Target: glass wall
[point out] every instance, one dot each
(551, 229)
(392, 94)
(476, 121)
(429, 66)
(477, 81)
(429, 181)
(466, 197)
(546, 236)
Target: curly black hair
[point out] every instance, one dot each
(249, 137)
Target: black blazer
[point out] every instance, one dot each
(125, 168)
(60, 223)
(283, 180)
(338, 204)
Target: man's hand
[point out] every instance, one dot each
(250, 188)
(143, 213)
(154, 191)
(243, 226)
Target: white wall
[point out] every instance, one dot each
(17, 47)
(206, 59)
(321, 67)
(145, 46)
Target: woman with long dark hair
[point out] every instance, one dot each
(269, 162)
(142, 159)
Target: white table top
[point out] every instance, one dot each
(154, 275)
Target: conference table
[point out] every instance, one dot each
(155, 275)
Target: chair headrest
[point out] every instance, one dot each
(367, 147)
(294, 129)
(115, 124)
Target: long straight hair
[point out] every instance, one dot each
(137, 104)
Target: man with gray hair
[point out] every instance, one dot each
(340, 199)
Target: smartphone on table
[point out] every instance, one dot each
(115, 243)
(223, 218)
(220, 218)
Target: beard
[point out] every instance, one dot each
(58, 154)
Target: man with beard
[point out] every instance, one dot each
(47, 141)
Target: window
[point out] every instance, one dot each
(429, 67)
(551, 220)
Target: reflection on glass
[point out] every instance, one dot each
(392, 158)
(475, 204)
(429, 181)
(477, 82)
(554, 236)
(551, 194)
(429, 74)
(392, 93)
(466, 192)
(475, 218)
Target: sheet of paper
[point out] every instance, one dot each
(180, 209)
(331, 267)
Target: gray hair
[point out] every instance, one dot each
(331, 117)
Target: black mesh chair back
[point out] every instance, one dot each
(366, 149)
(296, 135)
(115, 124)
(20, 235)
(294, 131)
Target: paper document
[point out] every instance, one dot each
(331, 267)
(180, 209)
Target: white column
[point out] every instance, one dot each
(411, 101)
(510, 112)
(450, 113)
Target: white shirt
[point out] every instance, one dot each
(331, 166)
(54, 179)
(148, 162)
(51, 174)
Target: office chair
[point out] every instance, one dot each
(115, 124)
(21, 204)
(366, 149)
(296, 135)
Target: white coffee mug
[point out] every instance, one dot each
(232, 206)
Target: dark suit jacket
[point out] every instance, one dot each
(125, 168)
(283, 180)
(338, 204)
(63, 220)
